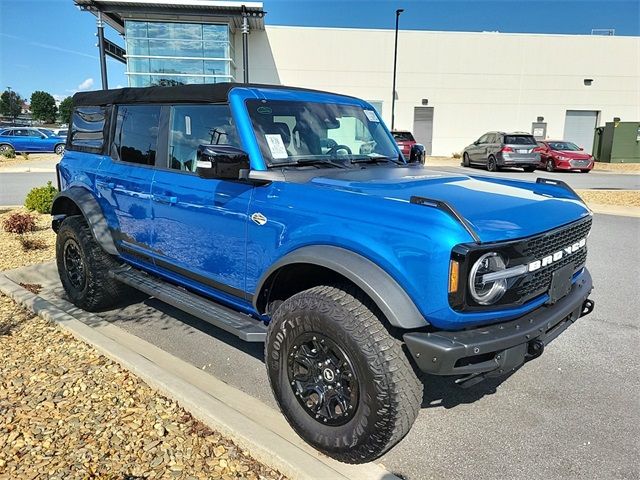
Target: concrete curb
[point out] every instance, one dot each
(619, 210)
(263, 433)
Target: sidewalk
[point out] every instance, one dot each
(37, 163)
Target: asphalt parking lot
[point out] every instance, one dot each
(573, 413)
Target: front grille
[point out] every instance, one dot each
(555, 240)
(538, 282)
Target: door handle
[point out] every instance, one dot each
(165, 199)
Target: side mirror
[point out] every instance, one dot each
(417, 153)
(221, 161)
(581, 148)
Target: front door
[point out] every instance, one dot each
(200, 224)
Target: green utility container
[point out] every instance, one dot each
(617, 142)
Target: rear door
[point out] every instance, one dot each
(200, 224)
(125, 181)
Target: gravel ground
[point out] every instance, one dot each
(625, 198)
(22, 161)
(68, 412)
(13, 255)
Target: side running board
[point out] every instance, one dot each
(243, 326)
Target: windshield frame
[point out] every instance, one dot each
(318, 98)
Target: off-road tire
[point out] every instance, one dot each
(492, 164)
(59, 149)
(390, 393)
(98, 291)
(465, 160)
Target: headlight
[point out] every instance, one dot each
(483, 291)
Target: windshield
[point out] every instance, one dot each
(564, 146)
(519, 140)
(302, 132)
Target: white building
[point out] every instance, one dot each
(451, 86)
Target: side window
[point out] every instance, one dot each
(87, 129)
(136, 135)
(195, 125)
(21, 133)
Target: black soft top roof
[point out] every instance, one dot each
(210, 93)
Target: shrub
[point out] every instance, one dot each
(40, 199)
(31, 243)
(25, 155)
(19, 223)
(456, 155)
(9, 153)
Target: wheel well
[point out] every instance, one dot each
(65, 206)
(294, 278)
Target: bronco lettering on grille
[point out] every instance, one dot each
(560, 254)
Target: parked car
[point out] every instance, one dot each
(405, 140)
(563, 155)
(495, 150)
(354, 266)
(30, 140)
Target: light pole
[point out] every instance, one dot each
(13, 117)
(395, 60)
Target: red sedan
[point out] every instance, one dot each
(562, 155)
(405, 141)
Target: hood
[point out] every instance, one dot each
(497, 209)
(580, 155)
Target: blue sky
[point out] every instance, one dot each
(50, 45)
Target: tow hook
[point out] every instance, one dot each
(587, 307)
(535, 348)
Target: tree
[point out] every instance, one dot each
(43, 106)
(65, 110)
(10, 104)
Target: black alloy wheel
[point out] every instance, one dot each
(323, 379)
(74, 267)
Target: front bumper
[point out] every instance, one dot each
(499, 348)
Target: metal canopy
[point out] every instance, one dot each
(115, 12)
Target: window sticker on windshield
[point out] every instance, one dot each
(276, 145)
(371, 115)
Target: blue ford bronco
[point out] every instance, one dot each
(290, 217)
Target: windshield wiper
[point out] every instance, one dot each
(315, 161)
(374, 160)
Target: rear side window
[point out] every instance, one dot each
(403, 137)
(519, 140)
(87, 129)
(135, 139)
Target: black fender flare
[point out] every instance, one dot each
(384, 291)
(88, 206)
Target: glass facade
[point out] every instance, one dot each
(163, 53)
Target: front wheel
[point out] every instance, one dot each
(59, 149)
(549, 166)
(341, 380)
(465, 160)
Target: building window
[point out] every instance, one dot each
(178, 53)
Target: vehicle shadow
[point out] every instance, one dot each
(442, 392)
(143, 310)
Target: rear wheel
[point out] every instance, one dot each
(59, 149)
(84, 267)
(341, 380)
(492, 165)
(465, 160)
